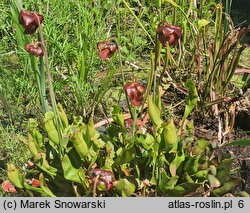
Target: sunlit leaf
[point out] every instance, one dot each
(174, 165)
(72, 167)
(109, 159)
(62, 115)
(191, 99)
(36, 135)
(44, 187)
(145, 140)
(227, 187)
(125, 155)
(213, 181)
(202, 174)
(117, 116)
(50, 127)
(202, 23)
(191, 164)
(183, 189)
(125, 188)
(200, 146)
(14, 176)
(79, 142)
(154, 112)
(169, 135)
(167, 183)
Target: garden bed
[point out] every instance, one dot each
(123, 99)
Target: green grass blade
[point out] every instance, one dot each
(138, 20)
(242, 142)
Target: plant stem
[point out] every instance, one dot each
(228, 11)
(156, 63)
(123, 77)
(50, 84)
(42, 83)
(139, 22)
(95, 183)
(134, 121)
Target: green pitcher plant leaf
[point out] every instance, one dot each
(213, 170)
(72, 169)
(125, 188)
(213, 181)
(44, 187)
(223, 175)
(91, 133)
(125, 155)
(191, 99)
(50, 127)
(33, 147)
(30, 187)
(78, 142)
(241, 142)
(117, 116)
(200, 147)
(188, 178)
(63, 116)
(174, 165)
(183, 189)
(146, 140)
(243, 194)
(92, 136)
(109, 160)
(170, 136)
(167, 183)
(14, 176)
(36, 135)
(43, 164)
(202, 23)
(224, 170)
(154, 112)
(191, 164)
(201, 175)
(227, 187)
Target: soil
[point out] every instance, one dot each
(207, 128)
(243, 115)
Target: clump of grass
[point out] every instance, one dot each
(13, 149)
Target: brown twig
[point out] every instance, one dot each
(110, 120)
(126, 116)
